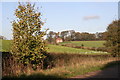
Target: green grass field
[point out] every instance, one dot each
(86, 43)
(63, 49)
(6, 45)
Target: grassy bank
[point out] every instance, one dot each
(63, 68)
(76, 69)
(59, 66)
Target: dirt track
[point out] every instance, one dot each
(111, 72)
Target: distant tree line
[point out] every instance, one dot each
(71, 35)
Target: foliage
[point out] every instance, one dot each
(64, 35)
(85, 36)
(68, 35)
(71, 35)
(100, 36)
(113, 38)
(51, 37)
(28, 44)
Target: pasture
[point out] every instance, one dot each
(6, 45)
(85, 43)
(63, 49)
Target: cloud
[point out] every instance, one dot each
(91, 17)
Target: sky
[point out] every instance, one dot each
(89, 17)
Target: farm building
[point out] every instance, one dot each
(58, 40)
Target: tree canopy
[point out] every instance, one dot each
(113, 38)
(28, 44)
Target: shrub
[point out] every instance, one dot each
(113, 38)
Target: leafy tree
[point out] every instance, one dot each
(51, 37)
(84, 36)
(28, 44)
(68, 35)
(64, 35)
(100, 36)
(113, 38)
(77, 36)
(72, 35)
(57, 34)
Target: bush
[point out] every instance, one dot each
(113, 38)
